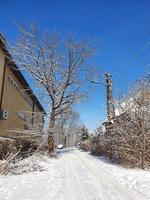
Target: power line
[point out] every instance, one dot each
(127, 57)
(137, 53)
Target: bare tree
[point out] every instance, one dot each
(71, 125)
(67, 124)
(59, 66)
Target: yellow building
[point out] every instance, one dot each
(19, 107)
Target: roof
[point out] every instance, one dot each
(15, 69)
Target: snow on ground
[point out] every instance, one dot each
(134, 178)
(40, 185)
(77, 175)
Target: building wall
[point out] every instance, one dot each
(17, 102)
(19, 110)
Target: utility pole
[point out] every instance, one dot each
(110, 104)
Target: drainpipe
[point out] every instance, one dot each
(3, 83)
(33, 109)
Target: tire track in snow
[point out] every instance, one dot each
(109, 186)
(74, 189)
(106, 192)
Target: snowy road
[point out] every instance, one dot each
(76, 175)
(89, 181)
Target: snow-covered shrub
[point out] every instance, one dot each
(83, 139)
(98, 145)
(85, 145)
(36, 162)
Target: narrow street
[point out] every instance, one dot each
(76, 175)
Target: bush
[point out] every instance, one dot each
(85, 145)
(7, 147)
(16, 165)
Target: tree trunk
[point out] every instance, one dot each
(143, 152)
(65, 142)
(50, 132)
(143, 145)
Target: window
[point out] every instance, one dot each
(23, 116)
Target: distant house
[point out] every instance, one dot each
(19, 107)
(137, 103)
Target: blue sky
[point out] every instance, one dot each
(122, 27)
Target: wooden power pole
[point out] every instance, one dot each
(110, 104)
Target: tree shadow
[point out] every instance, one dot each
(60, 152)
(105, 159)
